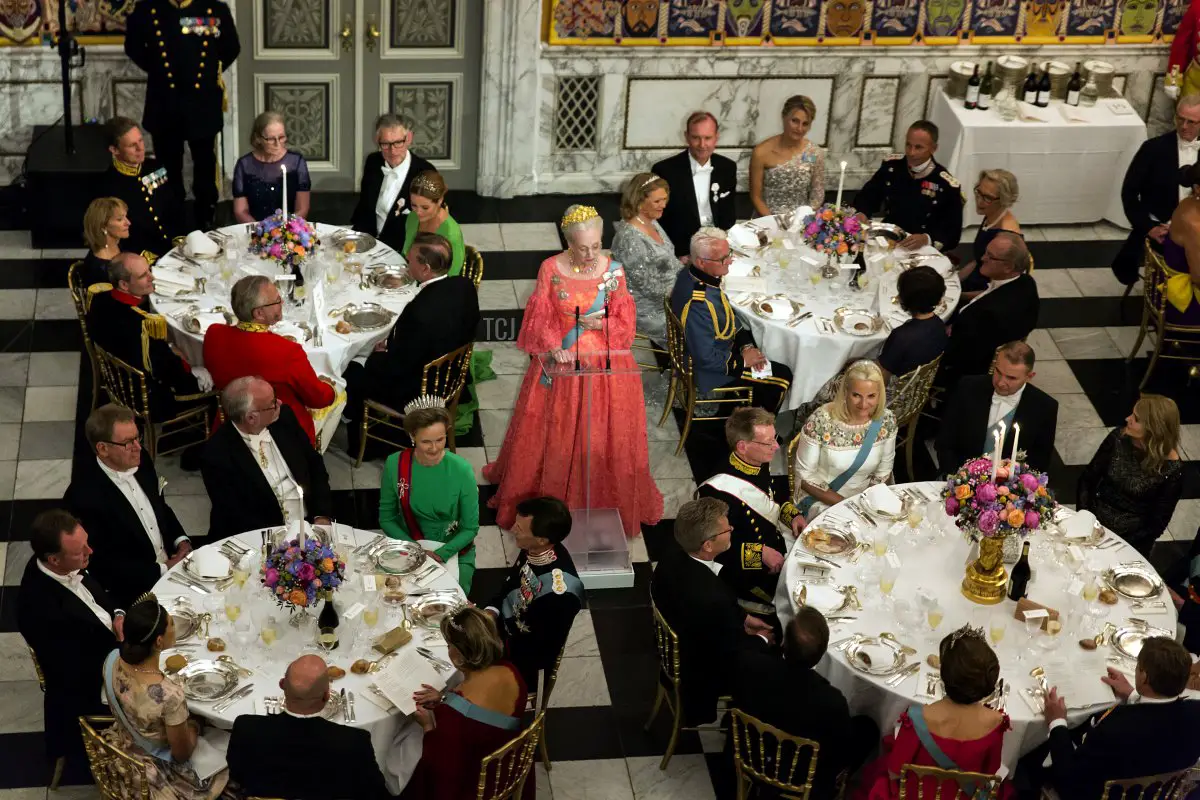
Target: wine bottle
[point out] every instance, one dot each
(1074, 87)
(1019, 577)
(1029, 91)
(1043, 88)
(973, 90)
(327, 624)
(985, 90)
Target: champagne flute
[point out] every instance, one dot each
(879, 542)
(241, 571)
(269, 630)
(997, 626)
(934, 615)
(887, 581)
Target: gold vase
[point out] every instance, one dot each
(986, 579)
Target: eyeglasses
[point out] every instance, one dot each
(395, 145)
(125, 445)
(278, 302)
(1185, 121)
(275, 139)
(771, 443)
(719, 533)
(273, 407)
(991, 198)
(728, 258)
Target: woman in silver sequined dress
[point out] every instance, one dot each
(788, 171)
(647, 253)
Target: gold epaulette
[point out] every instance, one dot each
(153, 325)
(950, 179)
(92, 291)
(150, 257)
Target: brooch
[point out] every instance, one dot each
(399, 205)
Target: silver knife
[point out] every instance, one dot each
(233, 698)
(192, 586)
(905, 673)
(345, 707)
(799, 319)
(353, 715)
(191, 581)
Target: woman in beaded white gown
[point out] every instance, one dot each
(848, 444)
(788, 170)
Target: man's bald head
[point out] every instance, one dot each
(306, 685)
(1007, 256)
(130, 273)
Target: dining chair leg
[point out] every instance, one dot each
(1153, 361)
(658, 700)
(1138, 343)
(151, 440)
(741, 786)
(689, 409)
(676, 723)
(909, 439)
(670, 399)
(545, 752)
(56, 778)
(362, 439)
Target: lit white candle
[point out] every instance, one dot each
(995, 453)
(1016, 437)
(841, 183)
(300, 494)
(283, 172)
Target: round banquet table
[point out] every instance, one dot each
(813, 350)
(933, 565)
(395, 738)
(336, 351)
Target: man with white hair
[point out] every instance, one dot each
(723, 356)
(387, 175)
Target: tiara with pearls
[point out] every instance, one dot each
(425, 401)
(649, 181)
(578, 214)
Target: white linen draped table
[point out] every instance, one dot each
(813, 355)
(935, 568)
(336, 351)
(1068, 172)
(270, 662)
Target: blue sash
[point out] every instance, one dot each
(485, 715)
(916, 713)
(860, 458)
(160, 751)
(989, 444)
(545, 586)
(576, 331)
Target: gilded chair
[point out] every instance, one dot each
(683, 383)
(668, 687)
(119, 776)
(906, 399)
(767, 756)
(503, 773)
(61, 761)
(644, 344)
(951, 784)
(82, 297)
(1171, 340)
(537, 700)
(1166, 786)
(444, 376)
(127, 386)
(473, 266)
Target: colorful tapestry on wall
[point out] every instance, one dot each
(34, 22)
(752, 23)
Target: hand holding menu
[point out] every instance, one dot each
(405, 675)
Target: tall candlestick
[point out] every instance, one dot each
(841, 183)
(1016, 437)
(283, 172)
(995, 453)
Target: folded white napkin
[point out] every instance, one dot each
(745, 283)
(743, 237)
(451, 565)
(210, 563)
(881, 497)
(798, 218)
(209, 318)
(198, 244)
(171, 281)
(285, 328)
(1078, 525)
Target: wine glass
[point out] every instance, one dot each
(997, 627)
(934, 615)
(1033, 624)
(268, 629)
(887, 581)
(233, 605)
(241, 570)
(879, 541)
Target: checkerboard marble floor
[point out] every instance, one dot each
(594, 725)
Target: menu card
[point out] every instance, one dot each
(405, 675)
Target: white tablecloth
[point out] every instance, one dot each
(1067, 171)
(396, 739)
(936, 569)
(336, 351)
(813, 355)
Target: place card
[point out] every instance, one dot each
(1075, 587)
(1076, 553)
(353, 611)
(344, 534)
(369, 584)
(1036, 613)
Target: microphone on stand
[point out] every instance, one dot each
(607, 348)
(578, 336)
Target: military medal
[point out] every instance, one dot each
(402, 487)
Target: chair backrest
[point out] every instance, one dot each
(473, 265)
(791, 461)
(666, 641)
(1166, 786)
(950, 784)
(908, 395)
(119, 775)
(78, 291)
(503, 774)
(681, 361)
(37, 669)
(771, 756)
(446, 376)
(125, 385)
(1154, 279)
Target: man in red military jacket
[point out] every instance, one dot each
(250, 348)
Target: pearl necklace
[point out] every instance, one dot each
(584, 268)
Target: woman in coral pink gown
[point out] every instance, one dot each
(546, 447)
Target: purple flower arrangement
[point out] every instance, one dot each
(287, 242)
(831, 229)
(1014, 501)
(294, 573)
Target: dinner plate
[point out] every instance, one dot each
(1134, 581)
(390, 279)
(872, 655)
(1128, 640)
(777, 307)
(893, 233)
(187, 621)
(826, 540)
(428, 610)
(367, 316)
(207, 680)
(399, 557)
(193, 324)
(207, 565)
(350, 242)
(857, 321)
(293, 331)
(821, 596)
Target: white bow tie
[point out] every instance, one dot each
(75, 578)
(1192, 145)
(387, 171)
(699, 169)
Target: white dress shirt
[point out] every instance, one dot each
(389, 192)
(992, 286)
(431, 280)
(1187, 157)
(132, 491)
(1001, 405)
(712, 565)
(73, 583)
(266, 455)
(702, 184)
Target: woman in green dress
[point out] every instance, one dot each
(429, 493)
(427, 198)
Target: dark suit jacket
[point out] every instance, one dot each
(681, 217)
(1132, 741)
(71, 645)
(1149, 195)
(363, 218)
(441, 318)
(800, 702)
(242, 499)
(1009, 313)
(123, 558)
(703, 612)
(964, 426)
(256, 767)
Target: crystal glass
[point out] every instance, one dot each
(268, 628)
(887, 579)
(997, 627)
(880, 539)
(934, 615)
(1033, 626)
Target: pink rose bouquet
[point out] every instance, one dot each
(287, 242)
(295, 572)
(830, 229)
(1014, 501)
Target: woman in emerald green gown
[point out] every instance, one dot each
(429, 495)
(427, 199)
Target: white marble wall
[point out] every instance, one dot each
(866, 97)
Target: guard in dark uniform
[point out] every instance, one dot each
(154, 202)
(184, 46)
(542, 592)
(915, 192)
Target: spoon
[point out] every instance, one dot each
(227, 659)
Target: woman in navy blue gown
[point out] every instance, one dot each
(258, 176)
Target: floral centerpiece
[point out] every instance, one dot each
(297, 571)
(286, 241)
(833, 230)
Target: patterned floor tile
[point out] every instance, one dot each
(590, 780)
(50, 403)
(685, 776)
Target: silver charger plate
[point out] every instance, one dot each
(1128, 640)
(192, 325)
(893, 233)
(390, 279)
(1134, 582)
(363, 242)
(428, 610)
(367, 316)
(399, 557)
(186, 619)
(840, 542)
(194, 570)
(821, 596)
(857, 321)
(885, 656)
(207, 680)
(764, 307)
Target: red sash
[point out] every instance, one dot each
(404, 487)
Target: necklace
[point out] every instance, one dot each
(154, 671)
(581, 268)
(639, 219)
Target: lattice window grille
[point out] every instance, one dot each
(577, 106)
